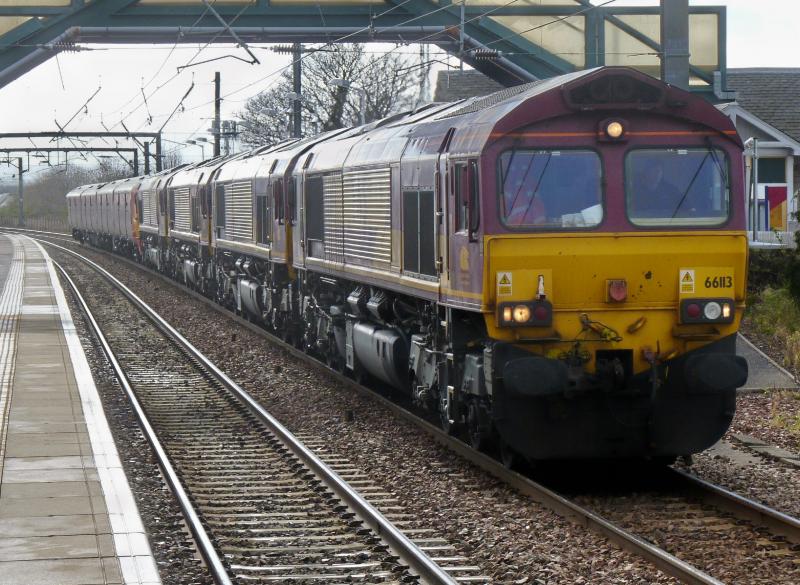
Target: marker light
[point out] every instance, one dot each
(506, 314)
(522, 313)
(712, 311)
(541, 313)
(693, 310)
(726, 311)
(614, 130)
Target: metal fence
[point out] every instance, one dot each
(772, 239)
(47, 223)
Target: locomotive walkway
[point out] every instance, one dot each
(67, 514)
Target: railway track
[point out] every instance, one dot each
(709, 509)
(721, 532)
(261, 505)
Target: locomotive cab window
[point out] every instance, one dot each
(171, 207)
(677, 187)
(220, 208)
(277, 197)
(550, 189)
(461, 191)
(262, 219)
(315, 217)
(194, 202)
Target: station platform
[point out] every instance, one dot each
(763, 372)
(67, 514)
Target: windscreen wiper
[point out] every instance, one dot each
(689, 186)
(522, 183)
(538, 183)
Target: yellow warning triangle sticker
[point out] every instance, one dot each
(504, 279)
(687, 277)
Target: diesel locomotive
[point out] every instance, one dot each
(558, 268)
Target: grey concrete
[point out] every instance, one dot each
(769, 451)
(737, 457)
(764, 373)
(56, 547)
(66, 571)
(54, 522)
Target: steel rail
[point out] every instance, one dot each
(417, 561)
(212, 559)
(741, 507)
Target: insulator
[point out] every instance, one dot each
(486, 54)
(283, 49)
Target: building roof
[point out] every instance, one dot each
(771, 94)
(456, 85)
(758, 128)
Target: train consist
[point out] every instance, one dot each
(558, 268)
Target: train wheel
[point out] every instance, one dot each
(334, 360)
(476, 428)
(360, 375)
(508, 456)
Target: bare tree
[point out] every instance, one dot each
(171, 159)
(390, 81)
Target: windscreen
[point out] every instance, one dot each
(550, 189)
(677, 187)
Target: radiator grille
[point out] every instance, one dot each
(150, 208)
(183, 214)
(334, 219)
(239, 211)
(367, 216)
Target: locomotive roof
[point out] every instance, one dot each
(150, 181)
(196, 172)
(112, 186)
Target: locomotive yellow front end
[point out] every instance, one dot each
(615, 279)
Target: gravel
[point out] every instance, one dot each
(171, 544)
(774, 484)
(772, 417)
(512, 538)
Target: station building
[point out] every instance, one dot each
(766, 109)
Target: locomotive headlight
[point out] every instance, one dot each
(507, 314)
(522, 314)
(713, 311)
(726, 311)
(614, 129)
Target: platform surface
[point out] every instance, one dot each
(67, 514)
(763, 372)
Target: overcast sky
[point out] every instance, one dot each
(760, 34)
